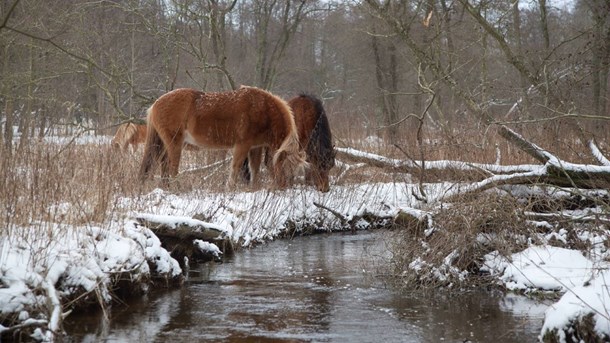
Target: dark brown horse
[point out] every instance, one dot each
(315, 139)
(243, 119)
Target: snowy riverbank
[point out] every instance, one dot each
(46, 267)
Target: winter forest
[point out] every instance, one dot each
(474, 133)
(374, 63)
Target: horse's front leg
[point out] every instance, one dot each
(240, 153)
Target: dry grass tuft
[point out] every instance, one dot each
(63, 185)
(79, 184)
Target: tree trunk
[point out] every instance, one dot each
(519, 51)
(387, 83)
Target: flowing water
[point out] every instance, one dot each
(320, 288)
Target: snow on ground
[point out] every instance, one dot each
(248, 217)
(583, 281)
(590, 298)
(84, 139)
(66, 261)
(84, 258)
(542, 268)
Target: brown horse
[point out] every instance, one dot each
(243, 119)
(129, 134)
(314, 137)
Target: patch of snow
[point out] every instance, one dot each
(66, 260)
(541, 267)
(590, 298)
(373, 141)
(79, 139)
(207, 247)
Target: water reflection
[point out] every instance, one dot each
(312, 289)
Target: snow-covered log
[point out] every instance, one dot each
(579, 179)
(185, 228)
(585, 218)
(409, 166)
(188, 238)
(559, 172)
(553, 171)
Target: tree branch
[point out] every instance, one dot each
(8, 15)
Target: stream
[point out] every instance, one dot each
(320, 288)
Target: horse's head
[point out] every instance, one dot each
(321, 180)
(320, 169)
(286, 165)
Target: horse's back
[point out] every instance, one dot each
(174, 105)
(248, 114)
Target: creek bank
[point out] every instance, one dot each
(49, 270)
(233, 221)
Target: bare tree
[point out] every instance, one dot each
(275, 23)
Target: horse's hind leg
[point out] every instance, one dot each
(170, 161)
(255, 157)
(153, 152)
(240, 153)
(245, 172)
(174, 152)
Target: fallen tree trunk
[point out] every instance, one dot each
(553, 171)
(183, 236)
(587, 218)
(562, 173)
(181, 227)
(409, 166)
(530, 148)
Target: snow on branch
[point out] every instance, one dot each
(495, 181)
(598, 154)
(532, 149)
(409, 166)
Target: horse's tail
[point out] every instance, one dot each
(123, 135)
(290, 150)
(154, 149)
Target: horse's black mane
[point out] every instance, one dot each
(320, 142)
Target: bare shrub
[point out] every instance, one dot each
(451, 252)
